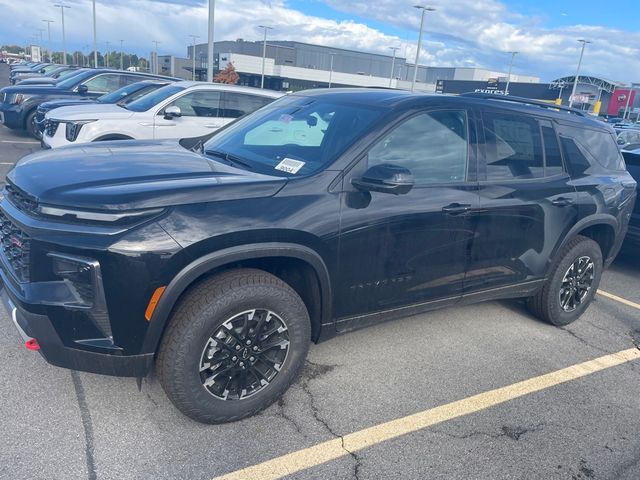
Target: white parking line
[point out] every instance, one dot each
(7, 163)
(20, 141)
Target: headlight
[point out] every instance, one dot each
(18, 98)
(73, 129)
(86, 215)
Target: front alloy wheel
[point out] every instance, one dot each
(244, 355)
(576, 283)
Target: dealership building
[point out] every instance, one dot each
(294, 66)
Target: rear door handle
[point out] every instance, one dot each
(456, 208)
(562, 202)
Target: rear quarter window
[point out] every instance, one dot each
(599, 147)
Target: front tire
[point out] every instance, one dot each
(31, 127)
(572, 284)
(234, 344)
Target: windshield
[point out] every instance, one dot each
(68, 74)
(71, 81)
(293, 136)
(150, 100)
(129, 90)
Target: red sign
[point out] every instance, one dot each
(619, 100)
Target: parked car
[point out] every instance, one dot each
(49, 77)
(180, 110)
(37, 68)
(122, 96)
(15, 77)
(52, 80)
(19, 102)
(632, 159)
(324, 211)
(628, 138)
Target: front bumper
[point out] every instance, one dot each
(31, 325)
(10, 115)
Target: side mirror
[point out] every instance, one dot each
(172, 112)
(385, 178)
(82, 89)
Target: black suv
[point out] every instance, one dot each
(322, 212)
(18, 103)
(632, 160)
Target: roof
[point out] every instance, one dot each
(600, 82)
(223, 86)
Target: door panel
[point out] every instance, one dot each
(200, 116)
(398, 250)
(527, 202)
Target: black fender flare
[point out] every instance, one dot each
(202, 265)
(590, 221)
(113, 136)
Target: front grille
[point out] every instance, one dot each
(24, 202)
(50, 127)
(15, 246)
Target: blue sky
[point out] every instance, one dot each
(459, 33)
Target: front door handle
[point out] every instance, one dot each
(456, 208)
(562, 202)
(213, 125)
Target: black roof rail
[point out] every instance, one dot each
(527, 101)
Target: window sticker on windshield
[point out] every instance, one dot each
(285, 118)
(289, 165)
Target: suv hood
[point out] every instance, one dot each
(36, 80)
(91, 111)
(129, 175)
(33, 89)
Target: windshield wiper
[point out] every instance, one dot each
(230, 159)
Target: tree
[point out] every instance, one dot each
(228, 75)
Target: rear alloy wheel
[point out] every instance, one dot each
(234, 344)
(572, 283)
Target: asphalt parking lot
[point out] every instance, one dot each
(580, 423)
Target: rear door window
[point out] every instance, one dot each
(235, 105)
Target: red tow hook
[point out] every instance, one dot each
(32, 344)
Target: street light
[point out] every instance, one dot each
(264, 52)
(513, 55)
(49, 22)
(64, 40)
(95, 42)
(212, 12)
(193, 56)
(393, 63)
(331, 68)
(155, 63)
(121, 55)
(415, 67)
(106, 56)
(575, 80)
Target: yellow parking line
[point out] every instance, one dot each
(619, 299)
(353, 442)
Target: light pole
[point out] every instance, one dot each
(575, 80)
(393, 63)
(193, 56)
(95, 36)
(64, 39)
(155, 63)
(331, 68)
(415, 67)
(506, 89)
(212, 12)
(626, 107)
(49, 22)
(106, 56)
(121, 55)
(264, 52)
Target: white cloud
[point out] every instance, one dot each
(459, 33)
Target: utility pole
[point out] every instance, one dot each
(193, 56)
(155, 63)
(121, 55)
(415, 67)
(106, 56)
(64, 39)
(212, 12)
(95, 36)
(513, 55)
(49, 22)
(575, 80)
(393, 63)
(331, 69)
(264, 52)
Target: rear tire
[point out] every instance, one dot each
(234, 344)
(573, 281)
